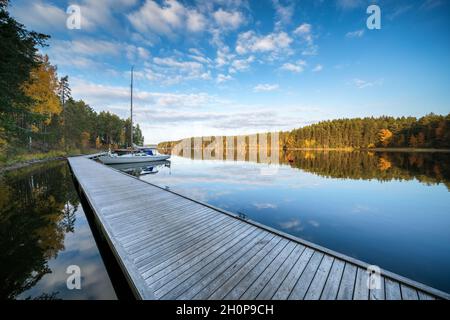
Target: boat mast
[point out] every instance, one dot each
(132, 108)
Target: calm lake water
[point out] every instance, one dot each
(388, 209)
(43, 230)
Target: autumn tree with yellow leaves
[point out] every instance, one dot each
(385, 136)
(42, 89)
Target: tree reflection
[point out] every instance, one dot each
(426, 167)
(37, 209)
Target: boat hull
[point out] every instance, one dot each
(139, 165)
(119, 160)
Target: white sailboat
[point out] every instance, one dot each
(141, 169)
(142, 155)
(137, 157)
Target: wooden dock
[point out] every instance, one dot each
(173, 247)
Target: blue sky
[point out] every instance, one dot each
(220, 67)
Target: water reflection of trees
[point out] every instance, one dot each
(37, 208)
(426, 167)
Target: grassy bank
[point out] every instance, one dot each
(20, 160)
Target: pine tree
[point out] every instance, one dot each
(19, 55)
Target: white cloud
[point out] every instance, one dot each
(228, 20)
(40, 17)
(117, 97)
(81, 54)
(304, 28)
(170, 70)
(241, 64)
(310, 50)
(167, 18)
(361, 84)
(304, 31)
(318, 68)
(292, 67)
(102, 13)
(297, 67)
(223, 78)
(196, 22)
(224, 57)
(283, 13)
(159, 19)
(355, 34)
(143, 53)
(84, 53)
(183, 65)
(201, 59)
(206, 75)
(92, 47)
(195, 51)
(217, 38)
(265, 87)
(197, 55)
(251, 42)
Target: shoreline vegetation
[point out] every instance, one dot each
(409, 150)
(24, 160)
(430, 132)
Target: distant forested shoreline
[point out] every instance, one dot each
(428, 132)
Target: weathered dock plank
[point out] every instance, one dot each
(272, 285)
(172, 247)
(392, 290)
(302, 285)
(318, 283)
(361, 287)
(331, 288)
(347, 282)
